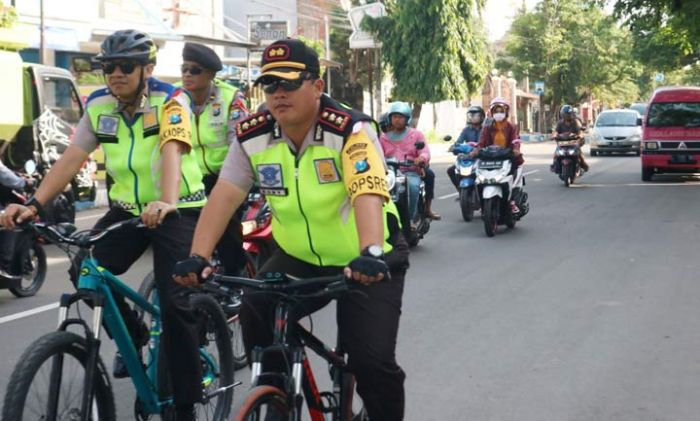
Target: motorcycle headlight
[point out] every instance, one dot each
(248, 227)
(571, 151)
(561, 152)
(390, 180)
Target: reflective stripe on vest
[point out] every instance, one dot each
(132, 157)
(312, 216)
(209, 130)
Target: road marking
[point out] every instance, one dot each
(531, 172)
(28, 313)
(447, 196)
(86, 217)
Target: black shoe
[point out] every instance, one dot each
(119, 370)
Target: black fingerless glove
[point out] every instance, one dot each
(193, 264)
(369, 266)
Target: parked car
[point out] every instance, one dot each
(618, 131)
(640, 107)
(671, 136)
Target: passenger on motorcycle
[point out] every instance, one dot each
(471, 133)
(400, 143)
(502, 133)
(143, 127)
(320, 165)
(217, 108)
(9, 181)
(570, 124)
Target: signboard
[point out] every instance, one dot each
(360, 38)
(659, 77)
(539, 87)
(269, 31)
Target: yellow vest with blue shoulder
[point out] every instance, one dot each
(310, 195)
(132, 148)
(210, 127)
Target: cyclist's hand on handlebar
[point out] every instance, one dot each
(16, 214)
(192, 272)
(365, 270)
(156, 212)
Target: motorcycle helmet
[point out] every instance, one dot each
(498, 101)
(128, 44)
(475, 109)
(566, 109)
(384, 122)
(400, 108)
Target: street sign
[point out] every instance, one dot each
(539, 87)
(659, 77)
(360, 38)
(268, 31)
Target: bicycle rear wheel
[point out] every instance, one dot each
(264, 403)
(216, 357)
(52, 370)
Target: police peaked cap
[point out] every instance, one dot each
(202, 55)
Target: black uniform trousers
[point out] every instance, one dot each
(368, 325)
(171, 242)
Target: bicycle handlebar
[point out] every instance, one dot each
(282, 283)
(83, 238)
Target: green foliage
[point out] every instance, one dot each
(435, 49)
(576, 50)
(317, 45)
(8, 16)
(90, 79)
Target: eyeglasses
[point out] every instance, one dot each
(286, 85)
(127, 67)
(193, 70)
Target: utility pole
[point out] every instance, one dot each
(42, 40)
(328, 52)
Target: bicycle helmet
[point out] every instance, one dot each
(401, 108)
(128, 44)
(498, 101)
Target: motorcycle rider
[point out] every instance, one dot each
(143, 127)
(569, 124)
(471, 133)
(502, 133)
(400, 142)
(317, 161)
(217, 108)
(9, 181)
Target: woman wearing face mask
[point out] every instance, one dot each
(502, 133)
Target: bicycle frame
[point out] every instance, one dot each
(302, 375)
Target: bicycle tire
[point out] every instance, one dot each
(41, 351)
(240, 358)
(263, 396)
(39, 273)
(216, 322)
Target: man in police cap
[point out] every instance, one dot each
(217, 108)
(321, 168)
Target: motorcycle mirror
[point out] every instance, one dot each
(420, 145)
(447, 138)
(30, 167)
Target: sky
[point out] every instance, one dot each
(498, 15)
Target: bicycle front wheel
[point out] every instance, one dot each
(264, 403)
(48, 382)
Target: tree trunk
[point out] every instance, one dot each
(416, 114)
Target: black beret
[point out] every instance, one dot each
(203, 55)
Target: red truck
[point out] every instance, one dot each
(671, 132)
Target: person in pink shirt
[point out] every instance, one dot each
(399, 142)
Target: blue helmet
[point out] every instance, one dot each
(401, 108)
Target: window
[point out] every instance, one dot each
(674, 114)
(617, 119)
(60, 97)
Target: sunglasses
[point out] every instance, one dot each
(193, 70)
(286, 85)
(127, 67)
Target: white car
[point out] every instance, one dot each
(618, 131)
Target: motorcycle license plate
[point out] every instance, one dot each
(490, 165)
(682, 159)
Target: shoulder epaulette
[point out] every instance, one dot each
(98, 94)
(337, 118)
(255, 125)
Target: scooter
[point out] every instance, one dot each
(465, 169)
(397, 181)
(566, 158)
(497, 187)
(29, 263)
(256, 223)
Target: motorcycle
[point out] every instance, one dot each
(497, 188)
(256, 224)
(465, 169)
(28, 265)
(566, 158)
(397, 180)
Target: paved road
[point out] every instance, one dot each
(587, 310)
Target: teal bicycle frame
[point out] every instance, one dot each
(98, 285)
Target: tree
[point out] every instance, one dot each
(577, 50)
(8, 15)
(435, 49)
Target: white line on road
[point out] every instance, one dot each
(28, 313)
(447, 196)
(86, 217)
